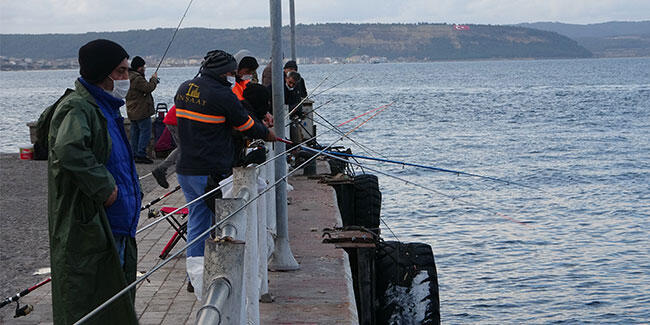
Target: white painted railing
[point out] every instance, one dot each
(235, 274)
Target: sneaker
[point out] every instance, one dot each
(143, 160)
(190, 287)
(160, 177)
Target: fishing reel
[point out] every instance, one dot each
(153, 213)
(24, 310)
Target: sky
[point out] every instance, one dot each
(80, 16)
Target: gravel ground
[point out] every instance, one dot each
(24, 245)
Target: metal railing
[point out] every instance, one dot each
(236, 255)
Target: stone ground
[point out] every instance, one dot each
(319, 293)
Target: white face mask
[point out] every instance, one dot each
(231, 80)
(120, 88)
(247, 77)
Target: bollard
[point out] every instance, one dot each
(245, 186)
(224, 278)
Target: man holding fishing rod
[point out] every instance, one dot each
(94, 194)
(207, 111)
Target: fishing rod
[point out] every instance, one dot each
(216, 189)
(173, 36)
(23, 293)
(336, 85)
(307, 96)
(457, 172)
(26, 309)
(453, 198)
(206, 232)
(365, 148)
(178, 187)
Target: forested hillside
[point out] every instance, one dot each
(393, 41)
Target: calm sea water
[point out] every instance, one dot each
(578, 131)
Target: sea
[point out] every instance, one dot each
(559, 235)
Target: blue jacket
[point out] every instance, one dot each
(123, 215)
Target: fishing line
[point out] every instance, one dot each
(219, 187)
(453, 198)
(206, 232)
(303, 100)
(173, 36)
(368, 112)
(365, 148)
(336, 85)
(457, 172)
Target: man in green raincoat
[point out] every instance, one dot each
(93, 193)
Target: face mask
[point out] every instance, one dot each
(290, 88)
(247, 77)
(120, 88)
(231, 80)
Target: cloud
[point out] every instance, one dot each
(79, 16)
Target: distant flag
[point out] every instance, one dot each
(461, 27)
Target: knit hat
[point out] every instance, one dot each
(98, 58)
(291, 64)
(248, 62)
(258, 96)
(218, 62)
(137, 62)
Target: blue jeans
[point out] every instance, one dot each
(200, 217)
(140, 136)
(120, 245)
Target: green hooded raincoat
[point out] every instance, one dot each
(86, 269)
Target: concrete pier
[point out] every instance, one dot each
(319, 293)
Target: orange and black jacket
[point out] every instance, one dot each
(207, 111)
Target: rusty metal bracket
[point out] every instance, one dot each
(349, 237)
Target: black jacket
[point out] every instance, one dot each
(207, 111)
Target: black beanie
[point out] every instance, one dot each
(98, 58)
(218, 62)
(258, 96)
(291, 64)
(248, 62)
(137, 62)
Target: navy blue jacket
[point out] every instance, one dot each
(207, 111)
(124, 213)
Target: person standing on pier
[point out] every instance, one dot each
(139, 108)
(245, 68)
(207, 111)
(94, 193)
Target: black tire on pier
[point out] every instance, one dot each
(406, 284)
(367, 200)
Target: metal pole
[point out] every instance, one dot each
(292, 16)
(282, 259)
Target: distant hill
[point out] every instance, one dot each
(417, 42)
(611, 39)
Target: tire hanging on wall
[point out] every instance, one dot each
(367, 201)
(406, 284)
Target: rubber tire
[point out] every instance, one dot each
(397, 264)
(367, 201)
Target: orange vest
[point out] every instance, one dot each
(239, 88)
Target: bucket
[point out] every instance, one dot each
(27, 152)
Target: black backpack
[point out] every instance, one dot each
(43, 128)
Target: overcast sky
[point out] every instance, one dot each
(80, 16)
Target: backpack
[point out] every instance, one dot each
(43, 128)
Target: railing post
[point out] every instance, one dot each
(223, 275)
(245, 186)
(270, 199)
(262, 234)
